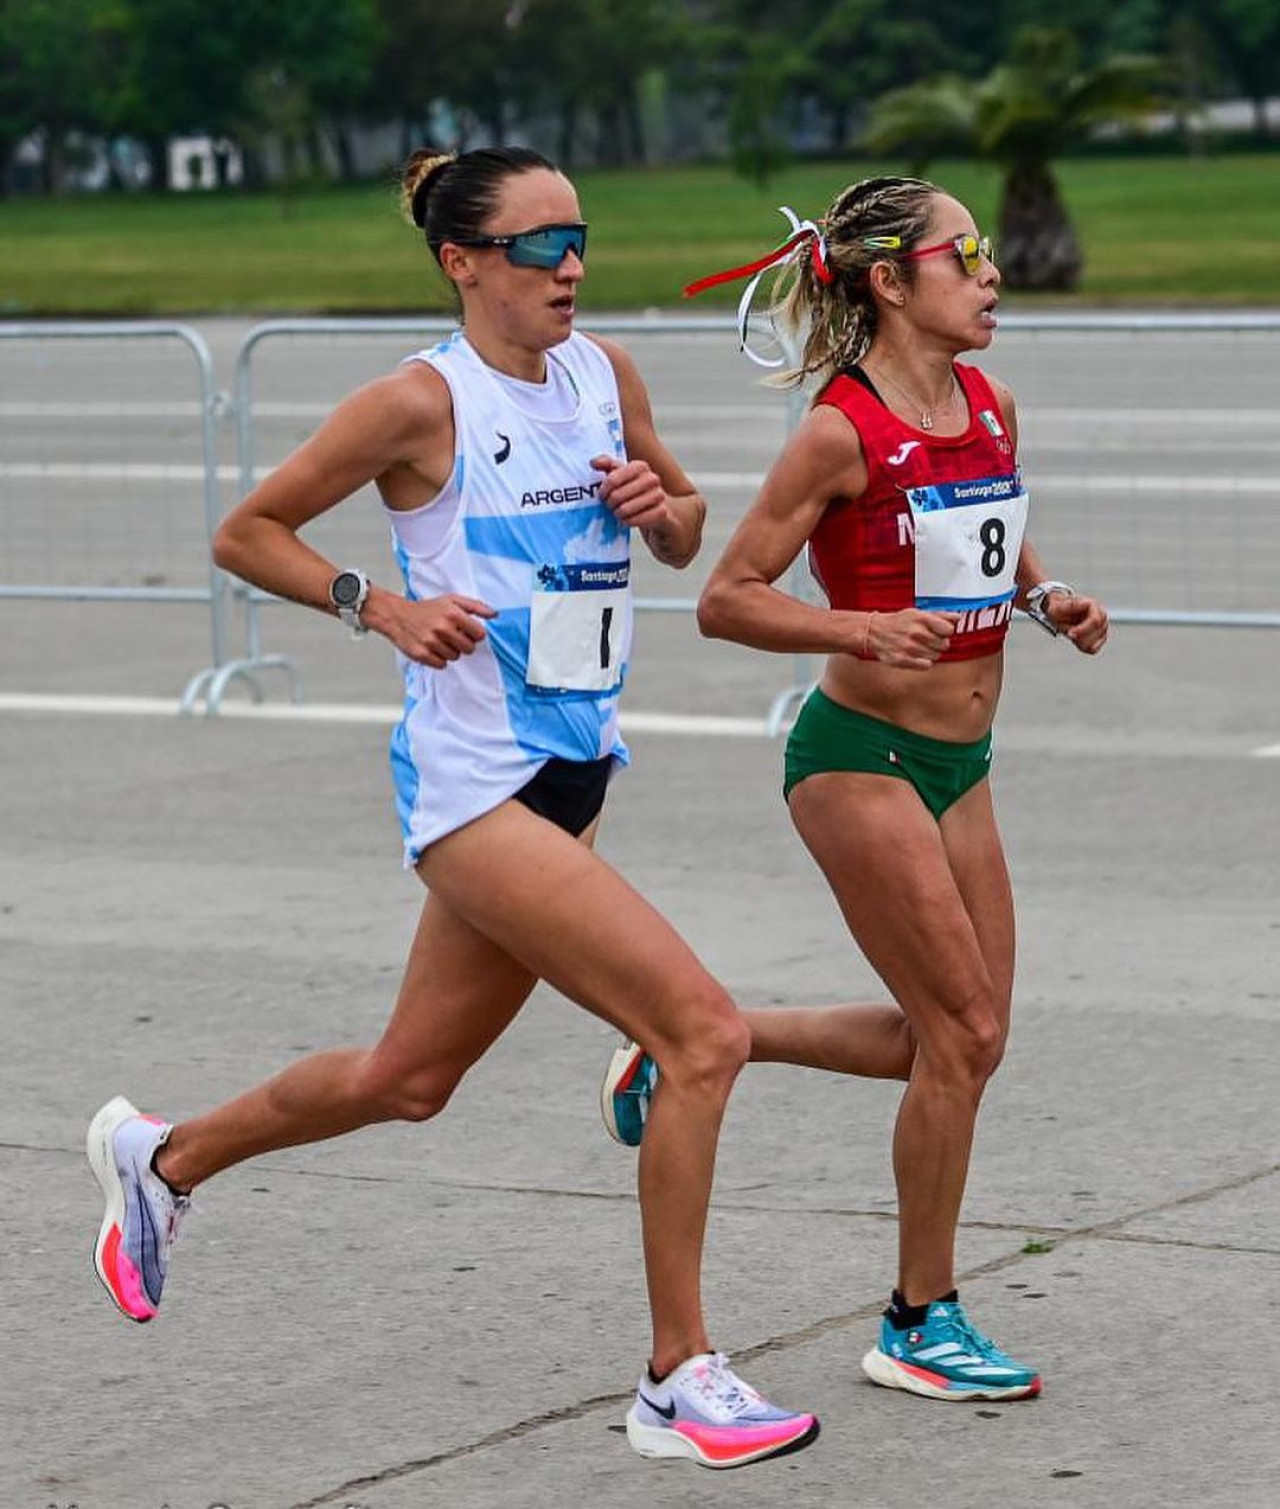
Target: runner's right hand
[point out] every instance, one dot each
(911, 639)
(437, 630)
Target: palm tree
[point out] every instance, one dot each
(1022, 116)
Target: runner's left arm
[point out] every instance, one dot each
(1083, 620)
(649, 491)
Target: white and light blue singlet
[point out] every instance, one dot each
(520, 526)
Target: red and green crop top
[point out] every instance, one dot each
(940, 523)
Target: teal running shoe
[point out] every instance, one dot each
(946, 1358)
(628, 1087)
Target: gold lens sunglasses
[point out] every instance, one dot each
(969, 249)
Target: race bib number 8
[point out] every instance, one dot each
(968, 536)
(578, 620)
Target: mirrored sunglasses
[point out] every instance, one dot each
(969, 249)
(543, 246)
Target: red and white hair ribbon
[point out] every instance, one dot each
(806, 239)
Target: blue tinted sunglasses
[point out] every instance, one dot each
(543, 246)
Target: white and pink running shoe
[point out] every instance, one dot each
(704, 1411)
(142, 1215)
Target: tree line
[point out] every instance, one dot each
(585, 78)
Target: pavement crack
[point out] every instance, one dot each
(1139, 1240)
(568, 1413)
(1180, 1202)
(1099, 1231)
(37, 1147)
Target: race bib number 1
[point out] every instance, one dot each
(578, 618)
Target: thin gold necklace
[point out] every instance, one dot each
(926, 414)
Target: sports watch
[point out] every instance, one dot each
(348, 592)
(1036, 604)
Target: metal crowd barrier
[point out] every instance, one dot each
(1148, 542)
(92, 583)
(1206, 532)
(1087, 434)
(252, 601)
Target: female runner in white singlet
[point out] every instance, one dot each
(515, 462)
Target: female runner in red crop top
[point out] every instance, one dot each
(903, 482)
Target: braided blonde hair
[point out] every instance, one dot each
(839, 318)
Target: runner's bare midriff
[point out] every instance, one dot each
(953, 700)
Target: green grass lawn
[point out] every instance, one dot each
(1172, 231)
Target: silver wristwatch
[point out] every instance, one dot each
(348, 592)
(1036, 604)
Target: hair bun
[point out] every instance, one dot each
(415, 181)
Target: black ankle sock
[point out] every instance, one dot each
(902, 1316)
(655, 1377)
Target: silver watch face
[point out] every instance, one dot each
(346, 589)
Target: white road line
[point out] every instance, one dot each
(699, 725)
(61, 702)
(119, 471)
(695, 725)
(687, 725)
(78, 705)
(1041, 445)
(180, 409)
(1178, 420)
(1179, 484)
(114, 409)
(110, 471)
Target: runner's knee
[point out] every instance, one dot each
(713, 1044)
(980, 1043)
(966, 1048)
(399, 1093)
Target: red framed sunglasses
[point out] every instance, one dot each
(968, 248)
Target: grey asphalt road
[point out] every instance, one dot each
(453, 1313)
